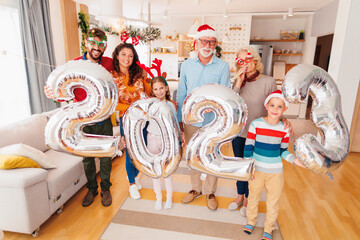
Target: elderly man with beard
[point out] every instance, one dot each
(96, 42)
(202, 68)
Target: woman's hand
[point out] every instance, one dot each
(298, 163)
(288, 125)
(123, 141)
(49, 92)
(240, 76)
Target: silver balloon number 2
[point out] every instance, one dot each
(321, 157)
(134, 120)
(203, 149)
(64, 132)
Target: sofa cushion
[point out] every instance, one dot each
(24, 150)
(69, 168)
(22, 177)
(15, 161)
(30, 131)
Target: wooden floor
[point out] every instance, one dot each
(311, 207)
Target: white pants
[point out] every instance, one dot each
(155, 145)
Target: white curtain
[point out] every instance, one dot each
(14, 96)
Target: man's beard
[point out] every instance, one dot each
(206, 54)
(93, 57)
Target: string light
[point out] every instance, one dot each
(4, 53)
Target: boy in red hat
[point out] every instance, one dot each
(267, 142)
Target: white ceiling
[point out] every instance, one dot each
(176, 8)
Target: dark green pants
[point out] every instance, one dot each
(105, 128)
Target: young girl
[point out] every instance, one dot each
(160, 90)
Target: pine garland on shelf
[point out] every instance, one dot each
(146, 34)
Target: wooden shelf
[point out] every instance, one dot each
(287, 54)
(277, 40)
(163, 52)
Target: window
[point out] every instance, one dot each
(14, 96)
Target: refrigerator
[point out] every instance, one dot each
(266, 54)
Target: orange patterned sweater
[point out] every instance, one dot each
(129, 94)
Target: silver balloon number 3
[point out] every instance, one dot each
(203, 149)
(134, 120)
(64, 132)
(321, 157)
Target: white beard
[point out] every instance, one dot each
(206, 54)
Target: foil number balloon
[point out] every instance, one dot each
(203, 149)
(134, 120)
(321, 157)
(63, 132)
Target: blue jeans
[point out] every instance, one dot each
(238, 145)
(131, 170)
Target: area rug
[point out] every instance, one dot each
(137, 219)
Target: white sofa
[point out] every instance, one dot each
(29, 196)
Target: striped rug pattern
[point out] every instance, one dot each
(137, 219)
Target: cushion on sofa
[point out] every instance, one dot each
(22, 177)
(15, 161)
(24, 150)
(30, 131)
(69, 168)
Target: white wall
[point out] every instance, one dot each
(324, 20)
(345, 60)
(9, 3)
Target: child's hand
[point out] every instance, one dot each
(123, 141)
(298, 163)
(287, 125)
(183, 141)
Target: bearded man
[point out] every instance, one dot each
(202, 68)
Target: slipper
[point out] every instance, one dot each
(233, 206)
(266, 236)
(248, 229)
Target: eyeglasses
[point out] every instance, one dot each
(240, 61)
(205, 42)
(93, 42)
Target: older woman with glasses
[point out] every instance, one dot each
(253, 87)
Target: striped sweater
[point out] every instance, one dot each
(267, 143)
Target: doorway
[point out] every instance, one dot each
(321, 59)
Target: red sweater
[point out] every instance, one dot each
(106, 62)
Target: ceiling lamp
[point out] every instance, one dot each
(226, 13)
(194, 27)
(284, 17)
(165, 14)
(291, 12)
(197, 2)
(227, 2)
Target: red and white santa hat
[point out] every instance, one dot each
(276, 94)
(205, 31)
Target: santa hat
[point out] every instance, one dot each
(276, 94)
(205, 31)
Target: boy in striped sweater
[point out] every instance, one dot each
(267, 142)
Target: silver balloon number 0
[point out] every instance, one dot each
(324, 156)
(203, 149)
(162, 113)
(64, 132)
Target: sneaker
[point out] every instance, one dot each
(266, 236)
(211, 202)
(158, 204)
(234, 206)
(168, 203)
(89, 198)
(138, 184)
(188, 198)
(134, 192)
(243, 211)
(106, 198)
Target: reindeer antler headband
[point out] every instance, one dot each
(156, 64)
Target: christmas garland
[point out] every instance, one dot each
(84, 26)
(145, 35)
